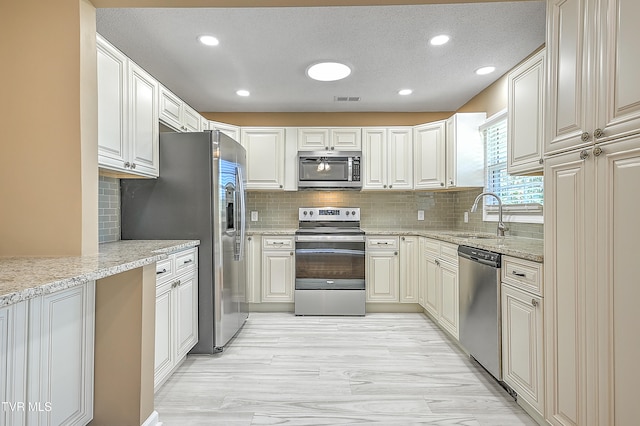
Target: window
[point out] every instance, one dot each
(522, 196)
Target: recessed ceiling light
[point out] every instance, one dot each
(405, 92)
(485, 70)
(208, 40)
(242, 92)
(328, 71)
(439, 40)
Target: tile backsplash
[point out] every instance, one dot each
(443, 210)
(108, 209)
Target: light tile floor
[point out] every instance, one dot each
(388, 369)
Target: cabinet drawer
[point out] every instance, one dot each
(382, 243)
(273, 242)
(186, 260)
(432, 246)
(522, 274)
(449, 252)
(164, 269)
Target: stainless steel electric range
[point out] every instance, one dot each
(330, 262)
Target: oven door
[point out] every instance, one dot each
(330, 263)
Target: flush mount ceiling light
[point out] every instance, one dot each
(208, 40)
(485, 70)
(328, 71)
(439, 40)
(405, 92)
(242, 92)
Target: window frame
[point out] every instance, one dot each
(515, 213)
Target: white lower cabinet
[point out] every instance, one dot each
(13, 358)
(176, 312)
(60, 357)
(448, 278)
(409, 270)
(382, 269)
(278, 268)
(253, 254)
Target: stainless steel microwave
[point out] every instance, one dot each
(332, 170)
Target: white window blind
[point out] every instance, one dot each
(518, 193)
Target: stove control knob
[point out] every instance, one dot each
(310, 213)
(353, 212)
(304, 212)
(347, 212)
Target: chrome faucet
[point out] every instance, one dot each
(501, 226)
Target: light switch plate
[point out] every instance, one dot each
(420, 214)
(254, 216)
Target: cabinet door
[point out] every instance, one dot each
(619, 86)
(112, 106)
(232, 131)
(171, 108)
(13, 356)
(432, 286)
(568, 287)
(525, 119)
(448, 318)
(522, 353)
(429, 158)
(143, 121)
(60, 360)
(409, 269)
(400, 159)
(164, 345)
(569, 85)
(253, 263)
(191, 119)
(618, 170)
(382, 276)
(278, 275)
(346, 139)
(313, 139)
(186, 292)
(265, 158)
(374, 162)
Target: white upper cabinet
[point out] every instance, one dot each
(593, 55)
(321, 139)
(525, 116)
(127, 114)
(429, 155)
(175, 113)
(228, 129)
(388, 159)
(265, 157)
(465, 150)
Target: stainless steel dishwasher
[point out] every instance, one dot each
(479, 297)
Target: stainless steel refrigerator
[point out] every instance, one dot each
(200, 194)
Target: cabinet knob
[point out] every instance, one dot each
(332, 148)
(403, 238)
(390, 186)
(450, 181)
(326, 147)
(249, 238)
(384, 186)
(290, 253)
(598, 133)
(133, 165)
(280, 186)
(586, 137)
(441, 183)
(534, 302)
(437, 262)
(597, 151)
(127, 165)
(584, 154)
(541, 161)
(395, 253)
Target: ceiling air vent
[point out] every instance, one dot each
(346, 98)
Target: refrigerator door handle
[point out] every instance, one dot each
(242, 207)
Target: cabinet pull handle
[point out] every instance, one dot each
(161, 272)
(382, 243)
(586, 137)
(534, 302)
(519, 274)
(584, 154)
(598, 133)
(278, 243)
(187, 261)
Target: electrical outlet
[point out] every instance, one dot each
(254, 216)
(420, 214)
(466, 217)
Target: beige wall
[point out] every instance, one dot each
(41, 156)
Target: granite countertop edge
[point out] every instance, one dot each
(24, 278)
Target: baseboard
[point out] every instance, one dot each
(531, 411)
(271, 307)
(168, 376)
(392, 307)
(152, 420)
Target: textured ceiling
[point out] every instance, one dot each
(267, 50)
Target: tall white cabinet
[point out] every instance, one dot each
(592, 168)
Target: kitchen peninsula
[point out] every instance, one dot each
(78, 332)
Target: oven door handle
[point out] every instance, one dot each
(330, 238)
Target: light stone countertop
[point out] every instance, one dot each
(23, 278)
(524, 248)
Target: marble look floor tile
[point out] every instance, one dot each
(388, 369)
